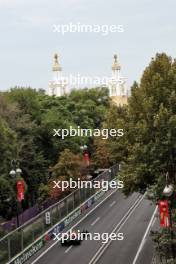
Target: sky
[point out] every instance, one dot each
(28, 40)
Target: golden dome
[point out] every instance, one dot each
(116, 64)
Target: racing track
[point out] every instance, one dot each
(130, 216)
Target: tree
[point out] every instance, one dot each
(101, 156)
(7, 147)
(7, 198)
(68, 165)
(151, 133)
(27, 120)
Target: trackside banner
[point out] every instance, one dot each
(29, 252)
(60, 226)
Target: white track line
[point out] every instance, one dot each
(145, 235)
(112, 203)
(96, 220)
(117, 228)
(154, 221)
(68, 249)
(93, 209)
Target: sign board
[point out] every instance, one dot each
(47, 218)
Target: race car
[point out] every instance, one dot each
(73, 238)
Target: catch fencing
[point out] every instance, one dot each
(16, 241)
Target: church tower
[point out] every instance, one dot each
(117, 84)
(58, 85)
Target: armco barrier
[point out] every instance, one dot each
(29, 252)
(17, 242)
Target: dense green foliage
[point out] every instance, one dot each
(27, 120)
(148, 147)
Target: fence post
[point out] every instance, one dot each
(9, 250)
(66, 206)
(73, 200)
(79, 196)
(22, 244)
(59, 209)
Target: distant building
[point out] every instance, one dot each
(58, 85)
(118, 92)
(117, 84)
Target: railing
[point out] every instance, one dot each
(17, 240)
(159, 259)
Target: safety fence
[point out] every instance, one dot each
(26, 235)
(161, 259)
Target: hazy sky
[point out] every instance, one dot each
(27, 40)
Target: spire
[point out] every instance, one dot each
(58, 85)
(56, 65)
(116, 64)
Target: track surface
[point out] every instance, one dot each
(130, 216)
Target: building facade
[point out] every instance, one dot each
(58, 85)
(117, 84)
(118, 92)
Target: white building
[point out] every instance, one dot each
(58, 85)
(117, 84)
(118, 92)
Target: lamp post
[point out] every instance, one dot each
(14, 173)
(168, 191)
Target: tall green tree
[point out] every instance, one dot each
(151, 133)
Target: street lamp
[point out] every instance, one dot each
(84, 147)
(18, 171)
(14, 173)
(168, 191)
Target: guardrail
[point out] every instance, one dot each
(27, 239)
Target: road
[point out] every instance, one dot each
(130, 216)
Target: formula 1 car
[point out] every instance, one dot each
(73, 238)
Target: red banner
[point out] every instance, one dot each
(86, 158)
(164, 214)
(20, 190)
